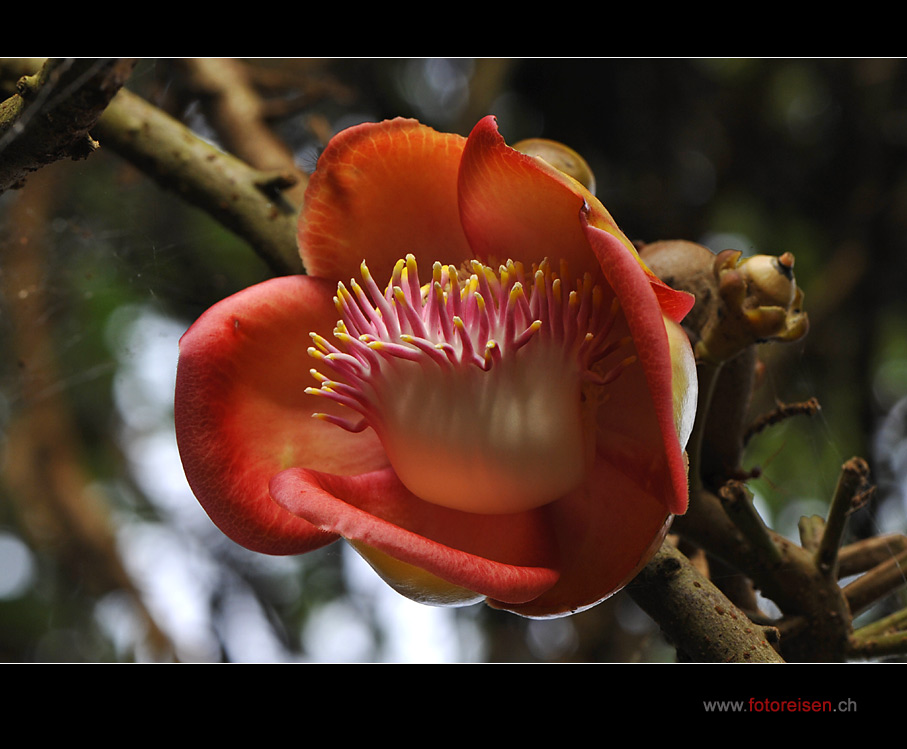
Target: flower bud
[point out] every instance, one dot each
(762, 302)
(561, 157)
(739, 302)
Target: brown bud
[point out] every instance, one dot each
(739, 301)
(561, 157)
(689, 267)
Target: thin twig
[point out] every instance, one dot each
(865, 554)
(781, 413)
(877, 583)
(852, 480)
(891, 624)
(811, 531)
(738, 503)
(878, 647)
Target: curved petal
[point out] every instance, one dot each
(242, 413)
(382, 190)
(507, 557)
(519, 207)
(684, 380)
(516, 206)
(606, 532)
(659, 452)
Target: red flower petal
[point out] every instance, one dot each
(675, 304)
(503, 556)
(381, 191)
(660, 454)
(242, 413)
(605, 532)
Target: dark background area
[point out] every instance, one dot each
(102, 270)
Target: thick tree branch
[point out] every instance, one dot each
(695, 616)
(791, 579)
(247, 201)
(50, 116)
(240, 115)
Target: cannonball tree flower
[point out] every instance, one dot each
(477, 384)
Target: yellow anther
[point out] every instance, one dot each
(320, 342)
(515, 294)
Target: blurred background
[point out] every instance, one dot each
(106, 556)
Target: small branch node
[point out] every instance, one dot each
(738, 503)
(852, 489)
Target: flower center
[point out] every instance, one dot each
(474, 382)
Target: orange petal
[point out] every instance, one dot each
(515, 206)
(242, 413)
(381, 191)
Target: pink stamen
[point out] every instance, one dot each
(478, 322)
